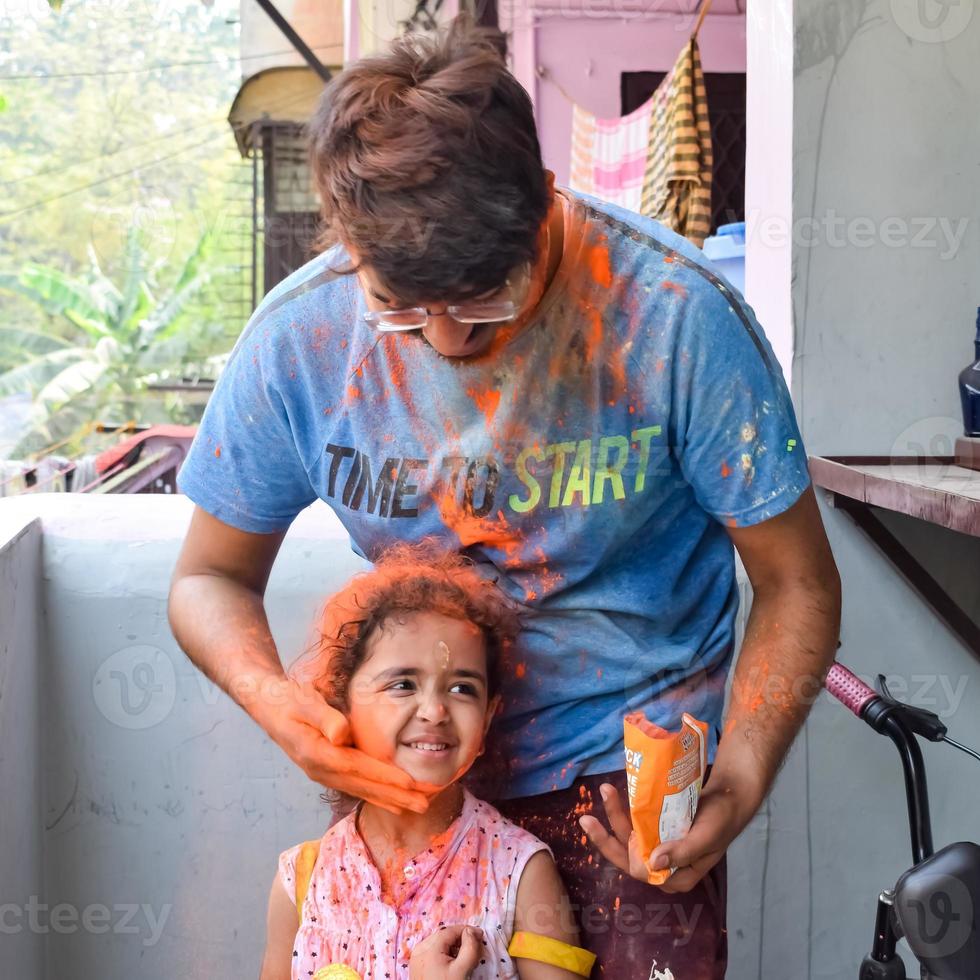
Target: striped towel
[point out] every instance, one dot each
(657, 160)
(609, 156)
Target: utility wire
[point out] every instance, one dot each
(222, 120)
(5, 215)
(158, 67)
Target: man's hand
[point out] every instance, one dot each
(450, 953)
(317, 738)
(621, 847)
(218, 617)
(722, 815)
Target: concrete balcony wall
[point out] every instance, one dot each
(161, 808)
(21, 949)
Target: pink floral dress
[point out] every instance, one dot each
(469, 875)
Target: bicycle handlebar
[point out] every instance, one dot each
(849, 689)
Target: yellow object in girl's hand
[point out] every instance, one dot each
(336, 971)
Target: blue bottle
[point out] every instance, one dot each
(970, 390)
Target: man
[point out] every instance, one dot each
(563, 390)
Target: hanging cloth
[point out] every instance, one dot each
(677, 182)
(610, 156)
(657, 160)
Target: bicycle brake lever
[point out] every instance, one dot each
(920, 721)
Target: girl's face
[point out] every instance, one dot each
(419, 699)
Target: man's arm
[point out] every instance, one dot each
(218, 617)
(216, 607)
(790, 642)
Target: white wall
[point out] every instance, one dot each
(21, 948)
(769, 172)
(885, 139)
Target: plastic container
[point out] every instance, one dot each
(725, 250)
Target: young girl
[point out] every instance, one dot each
(409, 653)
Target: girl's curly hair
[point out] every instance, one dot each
(406, 579)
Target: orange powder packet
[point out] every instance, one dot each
(664, 774)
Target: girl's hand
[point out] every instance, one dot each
(450, 953)
(317, 738)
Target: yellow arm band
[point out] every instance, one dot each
(305, 862)
(544, 949)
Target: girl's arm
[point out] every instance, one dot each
(281, 929)
(543, 909)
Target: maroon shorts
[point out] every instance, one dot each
(636, 930)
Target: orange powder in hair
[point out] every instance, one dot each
(664, 775)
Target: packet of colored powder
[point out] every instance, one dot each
(664, 775)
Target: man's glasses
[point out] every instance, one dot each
(499, 308)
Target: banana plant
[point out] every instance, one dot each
(117, 340)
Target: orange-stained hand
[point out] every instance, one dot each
(721, 816)
(317, 738)
(450, 953)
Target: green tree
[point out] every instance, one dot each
(116, 341)
(117, 117)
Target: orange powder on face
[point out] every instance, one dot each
(506, 332)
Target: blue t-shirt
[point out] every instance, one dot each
(592, 464)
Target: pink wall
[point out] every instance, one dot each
(585, 50)
(584, 46)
